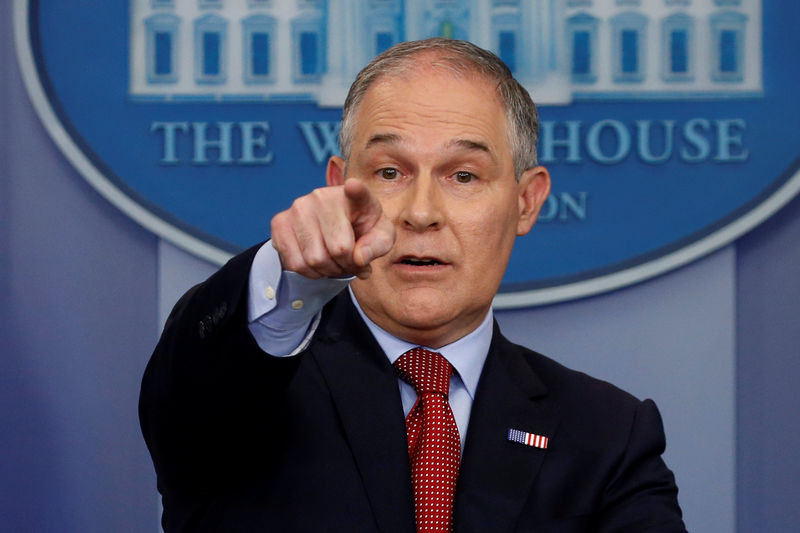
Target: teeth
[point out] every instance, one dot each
(420, 262)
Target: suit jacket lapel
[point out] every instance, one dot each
(497, 475)
(363, 387)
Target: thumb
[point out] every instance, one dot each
(377, 242)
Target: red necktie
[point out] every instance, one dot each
(434, 446)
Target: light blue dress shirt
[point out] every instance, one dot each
(284, 311)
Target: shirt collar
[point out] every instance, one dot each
(466, 355)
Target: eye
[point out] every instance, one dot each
(388, 174)
(463, 176)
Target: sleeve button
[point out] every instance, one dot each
(269, 292)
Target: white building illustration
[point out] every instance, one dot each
(561, 50)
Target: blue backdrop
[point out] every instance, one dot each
(82, 290)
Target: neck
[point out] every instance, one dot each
(433, 336)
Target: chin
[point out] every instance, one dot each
(424, 309)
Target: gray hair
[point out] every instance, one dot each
(463, 58)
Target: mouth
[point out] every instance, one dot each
(420, 261)
(421, 268)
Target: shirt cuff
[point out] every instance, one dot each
(283, 306)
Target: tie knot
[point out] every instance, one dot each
(425, 370)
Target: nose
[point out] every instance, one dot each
(422, 205)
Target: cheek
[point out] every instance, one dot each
(494, 227)
(486, 246)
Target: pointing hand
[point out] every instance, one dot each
(332, 232)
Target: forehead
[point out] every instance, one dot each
(439, 103)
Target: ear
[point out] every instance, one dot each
(534, 187)
(334, 175)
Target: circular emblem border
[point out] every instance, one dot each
(633, 271)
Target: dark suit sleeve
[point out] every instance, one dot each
(642, 495)
(210, 396)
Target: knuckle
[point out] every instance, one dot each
(292, 264)
(316, 259)
(300, 266)
(278, 222)
(340, 250)
(320, 198)
(298, 206)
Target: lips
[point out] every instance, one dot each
(420, 261)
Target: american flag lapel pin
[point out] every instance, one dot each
(529, 439)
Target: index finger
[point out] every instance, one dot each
(363, 209)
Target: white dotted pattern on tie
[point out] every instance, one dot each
(434, 447)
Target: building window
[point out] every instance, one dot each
(155, 4)
(309, 53)
(507, 39)
(581, 53)
(384, 20)
(678, 47)
(211, 55)
(678, 51)
(507, 49)
(727, 51)
(629, 32)
(210, 3)
(630, 51)
(210, 45)
(162, 48)
(163, 56)
(309, 59)
(582, 43)
(727, 46)
(259, 53)
(383, 41)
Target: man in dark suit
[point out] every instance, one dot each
(264, 411)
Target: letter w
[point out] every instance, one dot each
(322, 139)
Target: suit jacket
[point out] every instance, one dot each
(242, 441)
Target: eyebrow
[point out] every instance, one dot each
(382, 138)
(391, 138)
(470, 145)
